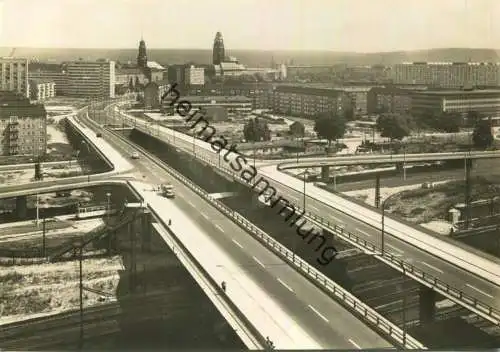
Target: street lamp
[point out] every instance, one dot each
(108, 196)
(306, 172)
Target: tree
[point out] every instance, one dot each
(395, 126)
(473, 117)
(330, 127)
(349, 114)
(297, 129)
(131, 84)
(256, 130)
(482, 136)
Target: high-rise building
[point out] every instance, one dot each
(194, 76)
(60, 79)
(14, 75)
(91, 78)
(218, 51)
(23, 126)
(447, 74)
(142, 57)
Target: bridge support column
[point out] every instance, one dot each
(427, 303)
(146, 232)
(469, 163)
(399, 167)
(325, 174)
(21, 207)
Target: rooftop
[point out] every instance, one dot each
(458, 91)
(154, 65)
(217, 98)
(41, 81)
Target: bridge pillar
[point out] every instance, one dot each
(399, 167)
(469, 163)
(21, 207)
(325, 174)
(427, 303)
(146, 232)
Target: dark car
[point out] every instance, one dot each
(99, 134)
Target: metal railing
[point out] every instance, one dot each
(355, 305)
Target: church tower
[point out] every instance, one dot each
(142, 58)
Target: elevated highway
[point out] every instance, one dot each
(292, 294)
(468, 279)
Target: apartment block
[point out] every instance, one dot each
(23, 126)
(59, 78)
(388, 99)
(14, 75)
(91, 78)
(306, 101)
(41, 89)
(447, 74)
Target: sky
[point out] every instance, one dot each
(333, 25)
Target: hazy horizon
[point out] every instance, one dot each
(344, 26)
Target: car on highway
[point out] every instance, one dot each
(135, 155)
(167, 190)
(99, 134)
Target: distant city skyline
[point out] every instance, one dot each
(330, 25)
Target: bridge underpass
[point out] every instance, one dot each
(372, 281)
(157, 302)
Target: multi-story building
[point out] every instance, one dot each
(176, 74)
(14, 75)
(485, 102)
(41, 89)
(194, 76)
(306, 101)
(388, 99)
(130, 76)
(58, 77)
(153, 93)
(91, 78)
(231, 104)
(447, 74)
(23, 126)
(357, 99)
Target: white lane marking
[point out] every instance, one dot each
(288, 287)
(237, 243)
(478, 290)
(219, 228)
(258, 262)
(432, 267)
(313, 207)
(190, 203)
(395, 248)
(363, 232)
(205, 215)
(355, 344)
(318, 313)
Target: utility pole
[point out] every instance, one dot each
(467, 194)
(377, 190)
(80, 258)
(404, 305)
(43, 237)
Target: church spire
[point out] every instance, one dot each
(142, 58)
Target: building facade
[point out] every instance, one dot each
(14, 75)
(41, 89)
(447, 74)
(485, 102)
(153, 92)
(306, 101)
(194, 76)
(91, 78)
(59, 78)
(23, 126)
(388, 99)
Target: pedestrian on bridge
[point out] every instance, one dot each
(223, 285)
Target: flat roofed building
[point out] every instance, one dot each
(14, 75)
(306, 101)
(23, 126)
(486, 102)
(194, 76)
(41, 89)
(91, 78)
(447, 74)
(59, 78)
(153, 93)
(388, 99)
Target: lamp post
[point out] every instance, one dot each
(404, 162)
(404, 303)
(306, 172)
(108, 196)
(382, 241)
(37, 209)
